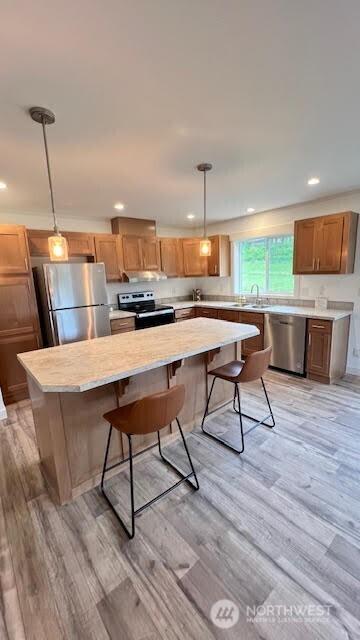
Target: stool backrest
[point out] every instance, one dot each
(255, 365)
(156, 411)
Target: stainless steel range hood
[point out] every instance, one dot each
(144, 276)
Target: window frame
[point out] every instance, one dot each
(237, 268)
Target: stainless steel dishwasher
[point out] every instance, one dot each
(286, 334)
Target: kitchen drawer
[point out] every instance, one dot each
(248, 317)
(230, 316)
(184, 314)
(121, 325)
(325, 326)
(205, 312)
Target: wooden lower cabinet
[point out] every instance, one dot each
(327, 347)
(122, 325)
(229, 315)
(206, 312)
(184, 314)
(257, 342)
(12, 375)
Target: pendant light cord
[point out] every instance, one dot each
(204, 204)
(49, 175)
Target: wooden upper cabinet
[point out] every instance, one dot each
(304, 246)
(194, 264)
(80, 244)
(150, 250)
(108, 250)
(325, 244)
(330, 244)
(219, 261)
(13, 250)
(172, 257)
(141, 253)
(132, 253)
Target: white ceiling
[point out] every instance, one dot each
(143, 90)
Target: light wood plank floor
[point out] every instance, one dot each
(278, 526)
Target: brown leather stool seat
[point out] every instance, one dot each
(144, 416)
(238, 371)
(148, 414)
(229, 371)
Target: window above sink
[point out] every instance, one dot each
(267, 262)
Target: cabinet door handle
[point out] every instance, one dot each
(318, 265)
(26, 264)
(314, 264)
(318, 326)
(309, 339)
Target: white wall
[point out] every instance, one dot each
(345, 288)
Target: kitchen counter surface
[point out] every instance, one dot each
(117, 314)
(84, 365)
(307, 312)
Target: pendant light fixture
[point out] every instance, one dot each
(205, 244)
(58, 247)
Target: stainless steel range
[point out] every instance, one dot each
(148, 313)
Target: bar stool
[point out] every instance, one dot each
(239, 372)
(148, 415)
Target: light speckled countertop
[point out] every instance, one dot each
(84, 365)
(307, 312)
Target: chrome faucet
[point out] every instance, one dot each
(257, 301)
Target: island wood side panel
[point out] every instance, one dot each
(71, 431)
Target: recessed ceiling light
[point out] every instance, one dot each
(250, 210)
(313, 180)
(3, 185)
(119, 206)
(190, 216)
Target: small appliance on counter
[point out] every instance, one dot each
(196, 294)
(148, 312)
(72, 302)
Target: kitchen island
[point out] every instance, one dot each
(73, 385)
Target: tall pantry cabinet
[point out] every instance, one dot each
(19, 324)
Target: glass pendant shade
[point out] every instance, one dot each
(58, 248)
(205, 247)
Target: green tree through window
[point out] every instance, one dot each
(267, 262)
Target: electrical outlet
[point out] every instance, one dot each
(356, 352)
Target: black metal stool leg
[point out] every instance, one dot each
(129, 533)
(237, 391)
(262, 421)
(183, 478)
(207, 406)
(217, 438)
(271, 426)
(174, 467)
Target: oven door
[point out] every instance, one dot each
(154, 318)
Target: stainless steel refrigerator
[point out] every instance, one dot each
(72, 302)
